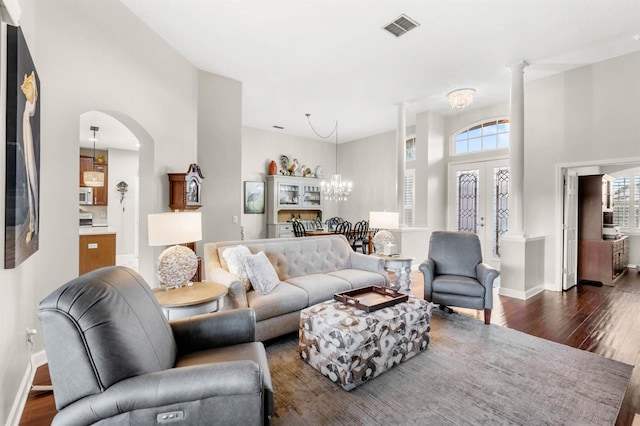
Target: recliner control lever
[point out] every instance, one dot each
(170, 417)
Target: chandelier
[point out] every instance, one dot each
(461, 98)
(91, 177)
(336, 189)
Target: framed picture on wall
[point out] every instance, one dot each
(253, 197)
(22, 185)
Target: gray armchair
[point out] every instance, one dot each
(115, 359)
(454, 274)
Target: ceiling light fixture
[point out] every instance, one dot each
(461, 98)
(336, 189)
(93, 178)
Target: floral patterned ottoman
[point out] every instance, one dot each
(351, 346)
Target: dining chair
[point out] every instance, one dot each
(298, 229)
(360, 236)
(334, 222)
(344, 228)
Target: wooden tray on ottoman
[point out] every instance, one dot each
(372, 298)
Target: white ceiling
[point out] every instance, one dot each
(331, 58)
(111, 133)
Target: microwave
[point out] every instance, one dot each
(86, 196)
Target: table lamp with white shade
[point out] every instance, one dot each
(383, 239)
(177, 264)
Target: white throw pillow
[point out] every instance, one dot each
(236, 258)
(261, 273)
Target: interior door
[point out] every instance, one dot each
(570, 230)
(479, 203)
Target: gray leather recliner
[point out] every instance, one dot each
(115, 359)
(454, 274)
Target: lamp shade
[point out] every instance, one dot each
(384, 220)
(174, 228)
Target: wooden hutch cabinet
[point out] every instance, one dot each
(292, 197)
(600, 260)
(100, 193)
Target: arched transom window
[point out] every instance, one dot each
(490, 135)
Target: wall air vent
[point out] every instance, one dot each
(401, 25)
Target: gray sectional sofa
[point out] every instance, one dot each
(310, 269)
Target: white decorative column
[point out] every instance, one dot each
(516, 150)
(522, 256)
(401, 138)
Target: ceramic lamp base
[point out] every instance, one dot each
(381, 239)
(176, 266)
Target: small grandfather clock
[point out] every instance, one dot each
(185, 189)
(185, 194)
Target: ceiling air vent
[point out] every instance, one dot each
(401, 25)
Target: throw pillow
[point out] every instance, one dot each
(236, 260)
(261, 273)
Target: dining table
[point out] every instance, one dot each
(317, 232)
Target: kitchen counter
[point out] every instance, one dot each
(97, 248)
(96, 230)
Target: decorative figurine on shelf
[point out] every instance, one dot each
(319, 172)
(306, 171)
(288, 167)
(273, 167)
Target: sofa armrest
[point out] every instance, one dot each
(237, 296)
(486, 275)
(214, 330)
(369, 263)
(428, 269)
(167, 388)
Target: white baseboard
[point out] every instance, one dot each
(37, 359)
(522, 295)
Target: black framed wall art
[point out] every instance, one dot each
(22, 175)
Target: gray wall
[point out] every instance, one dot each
(219, 149)
(370, 164)
(90, 56)
(259, 147)
(588, 114)
(122, 213)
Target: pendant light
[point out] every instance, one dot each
(336, 189)
(93, 178)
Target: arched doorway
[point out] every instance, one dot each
(123, 143)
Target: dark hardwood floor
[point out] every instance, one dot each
(603, 320)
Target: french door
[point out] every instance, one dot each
(478, 202)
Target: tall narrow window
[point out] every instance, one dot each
(500, 207)
(621, 202)
(636, 198)
(409, 198)
(410, 149)
(467, 200)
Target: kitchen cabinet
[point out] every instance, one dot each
(594, 198)
(96, 251)
(292, 197)
(100, 193)
(599, 260)
(603, 261)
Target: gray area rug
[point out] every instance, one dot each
(471, 374)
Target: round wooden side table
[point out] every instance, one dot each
(183, 302)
